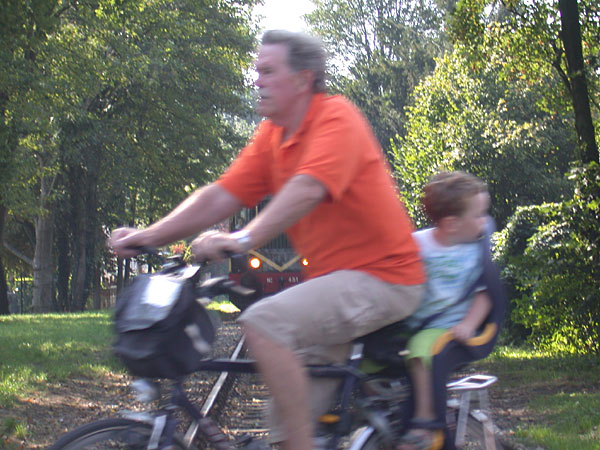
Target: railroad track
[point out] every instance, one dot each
(236, 403)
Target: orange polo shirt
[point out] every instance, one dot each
(362, 224)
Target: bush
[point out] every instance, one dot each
(551, 261)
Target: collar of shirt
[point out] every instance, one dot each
(313, 108)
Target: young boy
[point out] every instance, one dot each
(457, 205)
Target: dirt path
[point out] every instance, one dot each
(64, 406)
(80, 400)
(510, 406)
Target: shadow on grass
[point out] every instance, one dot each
(561, 393)
(51, 347)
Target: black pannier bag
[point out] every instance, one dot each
(162, 330)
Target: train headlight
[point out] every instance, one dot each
(304, 262)
(254, 263)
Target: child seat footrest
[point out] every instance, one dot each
(463, 388)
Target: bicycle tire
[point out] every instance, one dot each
(111, 434)
(366, 438)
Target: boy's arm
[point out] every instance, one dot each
(480, 308)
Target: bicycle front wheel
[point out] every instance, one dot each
(110, 434)
(367, 438)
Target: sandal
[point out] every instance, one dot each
(431, 439)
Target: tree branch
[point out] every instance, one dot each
(18, 254)
(556, 64)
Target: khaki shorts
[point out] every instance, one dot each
(319, 318)
(331, 310)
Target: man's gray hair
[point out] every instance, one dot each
(305, 52)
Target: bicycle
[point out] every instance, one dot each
(372, 408)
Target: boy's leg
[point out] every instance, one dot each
(423, 392)
(420, 346)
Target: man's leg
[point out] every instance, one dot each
(321, 391)
(332, 310)
(288, 383)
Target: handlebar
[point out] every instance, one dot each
(207, 289)
(153, 252)
(222, 285)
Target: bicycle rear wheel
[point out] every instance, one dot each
(110, 434)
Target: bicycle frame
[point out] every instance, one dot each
(384, 402)
(164, 423)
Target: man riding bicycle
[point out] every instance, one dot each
(333, 195)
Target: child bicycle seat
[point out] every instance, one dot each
(385, 349)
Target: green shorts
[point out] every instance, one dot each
(421, 344)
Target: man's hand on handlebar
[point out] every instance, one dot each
(125, 242)
(215, 246)
(209, 246)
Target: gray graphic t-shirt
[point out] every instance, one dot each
(450, 271)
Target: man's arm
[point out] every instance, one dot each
(205, 207)
(294, 200)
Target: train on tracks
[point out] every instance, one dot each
(268, 269)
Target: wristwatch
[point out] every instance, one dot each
(242, 237)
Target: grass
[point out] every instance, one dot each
(518, 364)
(567, 396)
(573, 421)
(51, 347)
(13, 427)
(36, 349)
(223, 305)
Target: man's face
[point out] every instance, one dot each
(278, 85)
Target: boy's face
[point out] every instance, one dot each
(470, 224)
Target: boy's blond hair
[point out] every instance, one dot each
(448, 193)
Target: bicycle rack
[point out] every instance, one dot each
(464, 387)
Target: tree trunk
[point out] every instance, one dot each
(78, 198)
(43, 267)
(4, 307)
(78, 283)
(93, 235)
(97, 288)
(63, 272)
(119, 274)
(3, 285)
(571, 37)
(127, 272)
